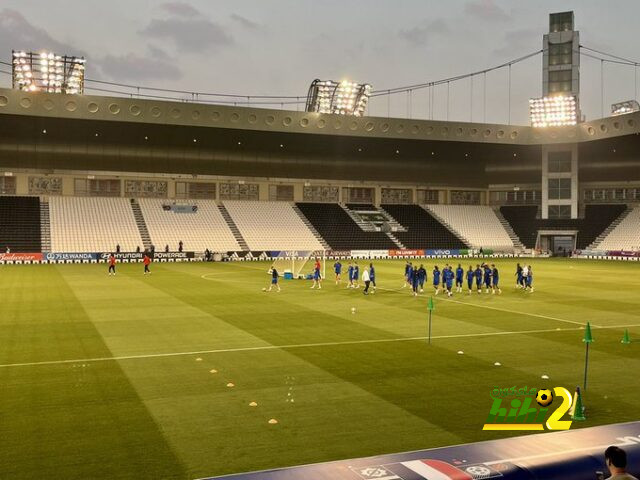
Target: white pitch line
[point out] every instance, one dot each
(529, 314)
(518, 313)
(298, 345)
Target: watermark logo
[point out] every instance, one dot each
(527, 408)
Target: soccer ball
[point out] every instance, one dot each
(353, 309)
(544, 397)
(264, 289)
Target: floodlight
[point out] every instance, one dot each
(554, 111)
(621, 108)
(343, 98)
(48, 72)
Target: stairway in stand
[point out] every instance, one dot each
(514, 238)
(45, 225)
(142, 225)
(594, 245)
(233, 227)
(310, 226)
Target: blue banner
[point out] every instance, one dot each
(567, 455)
(441, 252)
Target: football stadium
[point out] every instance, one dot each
(353, 284)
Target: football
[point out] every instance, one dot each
(544, 397)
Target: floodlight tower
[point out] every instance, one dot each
(47, 72)
(559, 107)
(342, 98)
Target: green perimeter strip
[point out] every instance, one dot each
(73, 420)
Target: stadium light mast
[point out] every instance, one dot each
(560, 101)
(47, 72)
(342, 98)
(559, 106)
(622, 108)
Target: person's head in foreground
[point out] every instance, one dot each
(616, 460)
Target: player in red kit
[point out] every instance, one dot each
(112, 264)
(147, 262)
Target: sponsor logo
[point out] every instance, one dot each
(528, 409)
(71, 256)
(426, 469)
(339, 253)
(174, 255)
(12, 257)
(122, 255)
(402, 253)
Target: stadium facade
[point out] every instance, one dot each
(78, 146)
(340, 182)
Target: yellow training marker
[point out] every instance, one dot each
(273, 421)
(230, 384)
(253, 404)
(198, 359)
(213, 371)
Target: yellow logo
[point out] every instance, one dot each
(521, 413)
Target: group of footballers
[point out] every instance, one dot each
(146, 260)
(353, 276)
(484, 275)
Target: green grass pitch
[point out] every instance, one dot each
(126, 376)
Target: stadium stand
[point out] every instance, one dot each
(340, 231)
(20, 224)
(202, 229)
(597, 218)
(478, 226)
(625, 235)
(423, 230)
(95, 224)
(271, 226)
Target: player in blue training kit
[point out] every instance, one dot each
(459, 278)
(372, 277)
(350, 275)
(487, 277)
(408, 269)
(478, 273)
(519, 278)
(470, 277)
(415, 281)
(422, 277)
(274, 279)
(496, 278)
(529, 280)
(337, 267)
(356, 276)
(436, 279)
(447, 279)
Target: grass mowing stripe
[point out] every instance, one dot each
(304, 345)
(80, 421)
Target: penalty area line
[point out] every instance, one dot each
(299, 345)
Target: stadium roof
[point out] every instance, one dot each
(135, 110)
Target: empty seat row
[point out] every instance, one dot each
(339, 230)
(20, 224)
(477, 224)
(596, 219)
(92, 224)
(271, 226)
(423, 230)
(626, 235)
(199, 226)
